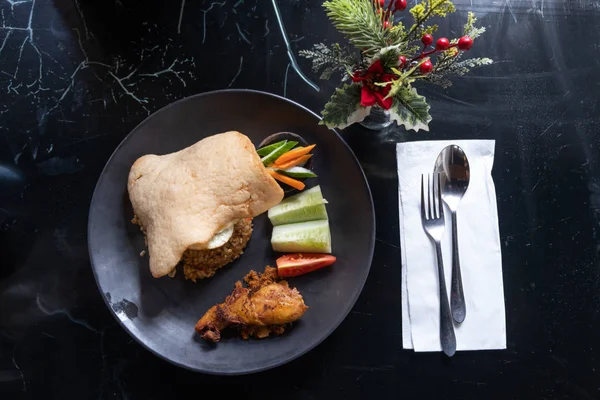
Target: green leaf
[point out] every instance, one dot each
(344, 107)
(410, 109)
(388, 56)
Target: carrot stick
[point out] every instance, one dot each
(294, 162)
(300, 151)
(296, 184)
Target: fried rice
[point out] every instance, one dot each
(201, 264)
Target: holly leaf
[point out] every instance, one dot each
(388, 56)
(410, 109)
(344, 107)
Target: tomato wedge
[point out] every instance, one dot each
(302, 263)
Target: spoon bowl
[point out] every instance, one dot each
(453, 166)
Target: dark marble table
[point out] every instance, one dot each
(77, 75)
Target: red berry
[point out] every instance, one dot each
(386, 24)
(442, 44)
(400, 5)
(381, 3)
(465, 43)
(427, 39)
(402, 60)
(426, 67)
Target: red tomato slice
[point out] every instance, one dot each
(302, 263)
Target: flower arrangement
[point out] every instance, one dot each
(387, 58)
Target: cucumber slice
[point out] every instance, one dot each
(272, 156)
(298, 172)
(308, 205)
(263, 151)
(275, 154)
(302, 237)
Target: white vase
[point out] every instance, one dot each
(377, 119)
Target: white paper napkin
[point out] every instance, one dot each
(479, 250)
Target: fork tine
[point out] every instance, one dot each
(434, 189)
(423, 213)
(439, 192)
(435, 194)
(431, 208)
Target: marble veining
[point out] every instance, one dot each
(290, 53)
(204, 12)
(38, 73)
(76, 76)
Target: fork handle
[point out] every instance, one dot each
(457, 296)
(447, 338)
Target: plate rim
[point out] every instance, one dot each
(271, 365)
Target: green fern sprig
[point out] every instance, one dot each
(470, 29)
(424, 10)
(448, 63)
(363, 25)
(456, 69)
(331, 60)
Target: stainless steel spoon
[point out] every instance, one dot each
(453, 167)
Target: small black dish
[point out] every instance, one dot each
(279, 136)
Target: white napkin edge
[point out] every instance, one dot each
(407, 342)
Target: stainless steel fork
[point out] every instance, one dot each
(432, 216)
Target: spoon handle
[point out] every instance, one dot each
(447, 337)
(457, 297)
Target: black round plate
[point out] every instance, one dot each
(161, 313)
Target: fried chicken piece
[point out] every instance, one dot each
(265, 306)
